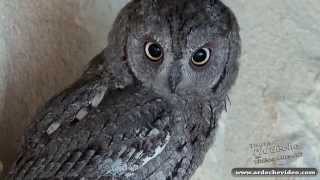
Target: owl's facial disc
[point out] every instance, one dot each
(194, 71)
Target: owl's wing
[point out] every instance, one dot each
(87, 92)
(94, 149)
(73, 137)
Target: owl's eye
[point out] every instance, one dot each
(201, 57)
(153, 51)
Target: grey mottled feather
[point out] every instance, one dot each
(121, 119)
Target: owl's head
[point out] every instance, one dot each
(178, 47)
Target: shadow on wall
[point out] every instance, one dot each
(48, 44)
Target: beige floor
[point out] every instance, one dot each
(44, 46)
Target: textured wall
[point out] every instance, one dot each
(44, 46)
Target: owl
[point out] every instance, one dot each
(147, 106)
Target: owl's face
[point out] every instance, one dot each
(180, 48)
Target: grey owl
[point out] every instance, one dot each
(147, 106)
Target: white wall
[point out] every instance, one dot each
(44, 46)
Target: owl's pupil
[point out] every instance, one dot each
(155, 50)
(200, 56)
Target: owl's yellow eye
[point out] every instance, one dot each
(153, 51)
(201, 57)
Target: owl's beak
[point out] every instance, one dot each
(175, 76)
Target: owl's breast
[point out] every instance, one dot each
(192, 132)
